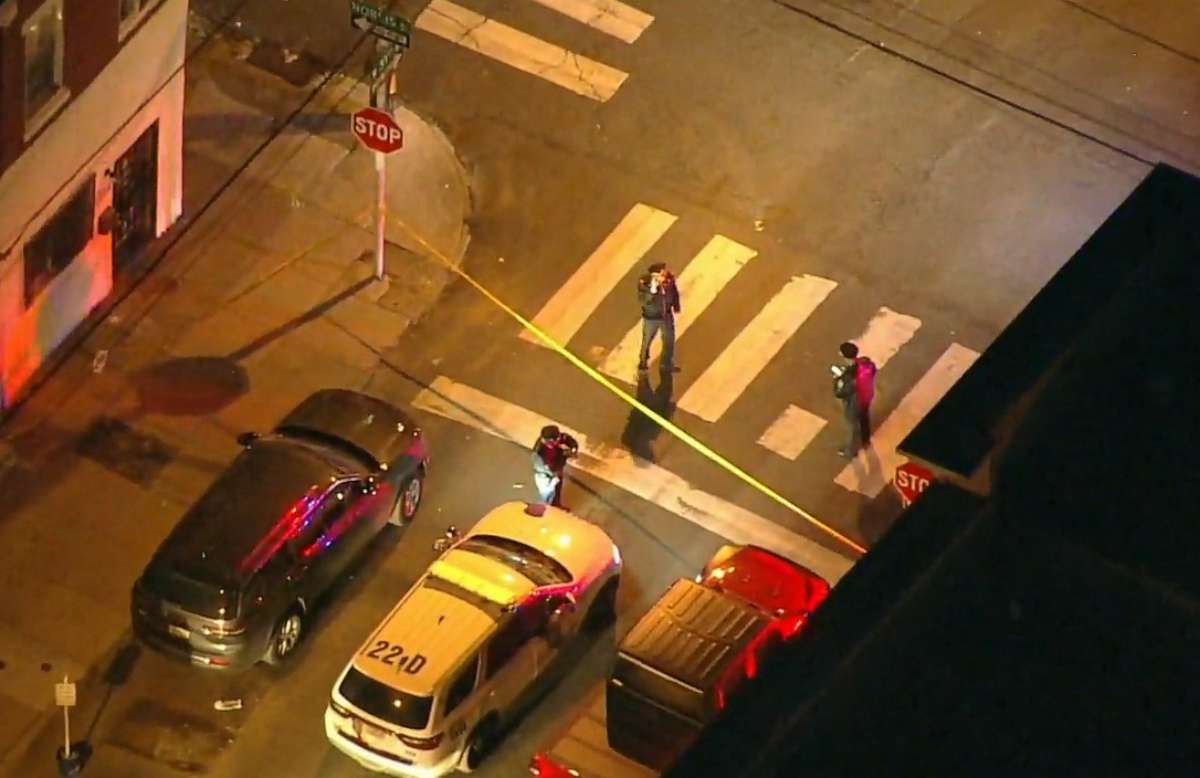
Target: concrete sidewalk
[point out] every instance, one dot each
(267, 296)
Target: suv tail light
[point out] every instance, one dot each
(422, 743)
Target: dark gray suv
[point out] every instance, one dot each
(234, 581)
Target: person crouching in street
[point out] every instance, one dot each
(550, 454)
(659, 298)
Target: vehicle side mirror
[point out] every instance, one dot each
(246, 439)
(448, 539)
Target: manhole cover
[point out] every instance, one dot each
(183, 741)
(125, 451)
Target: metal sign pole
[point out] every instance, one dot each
(381, 215)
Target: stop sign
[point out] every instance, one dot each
(911, 480)
(377, 130)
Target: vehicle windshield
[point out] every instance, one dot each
(538, 567)
(392, 705)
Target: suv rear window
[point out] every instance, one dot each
(210, 601)
(392, 705)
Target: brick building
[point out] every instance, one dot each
(91, 119)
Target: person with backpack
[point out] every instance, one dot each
(854, 385)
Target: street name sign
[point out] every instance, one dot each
(380, 23)
(383, 62)
(377, 130)
(911, 480)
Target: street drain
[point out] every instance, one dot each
(182, 741)
(123, 450)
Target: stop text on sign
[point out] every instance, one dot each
(377, 130)
(911, 480)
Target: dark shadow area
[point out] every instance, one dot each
(190, 386)
(640, 430)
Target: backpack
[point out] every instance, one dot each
(864, 380)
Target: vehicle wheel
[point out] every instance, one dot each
(604, 608)
(286, 637)
(408, 501)
(479, 745)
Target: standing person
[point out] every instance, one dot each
(550, 454)
(659, 298)
(854, 385)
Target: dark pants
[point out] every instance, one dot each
(858, 427)
(650, 328)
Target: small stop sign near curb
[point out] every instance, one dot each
(911, 480)
(377, 130)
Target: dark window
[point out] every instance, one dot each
(543, 570)
(43, 33)
(59, 241)
(211, 601)
(392, 705)
(524, 623)
(463, 685)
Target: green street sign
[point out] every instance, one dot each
(383, 63)
(380, 23)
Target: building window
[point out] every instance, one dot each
(60, 240)
(132, 12)
(43, 34)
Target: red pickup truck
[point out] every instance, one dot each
(677, 667)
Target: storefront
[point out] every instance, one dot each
(107, 172)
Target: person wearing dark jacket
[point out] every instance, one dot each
(659, 298)
(550, 454)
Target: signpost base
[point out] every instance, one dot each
(72, 763)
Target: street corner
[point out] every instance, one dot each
(429, 190)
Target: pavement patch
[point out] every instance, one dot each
(182, 741)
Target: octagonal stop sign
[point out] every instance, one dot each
(911, 480)
(377, 130)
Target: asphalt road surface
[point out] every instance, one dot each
(905, 174)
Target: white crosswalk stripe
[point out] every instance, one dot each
(615, 18)
(791, 433)
(886, 333)
(874, 466)
(523, 51)
(756, 345)
(578, 298)
(699, 283)
(478, 410)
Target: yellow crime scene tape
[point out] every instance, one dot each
(603, 380)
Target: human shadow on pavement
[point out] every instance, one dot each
(640, 430)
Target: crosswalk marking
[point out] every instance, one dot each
(885, 334)
(749, 352)
(615, 18)
(873, 468)
(708, 272)
(469, 406)
(520, 50)
(565, 312)
(791, 433)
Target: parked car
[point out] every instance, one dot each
(680, 664)
(461, 654)
(235, 580)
